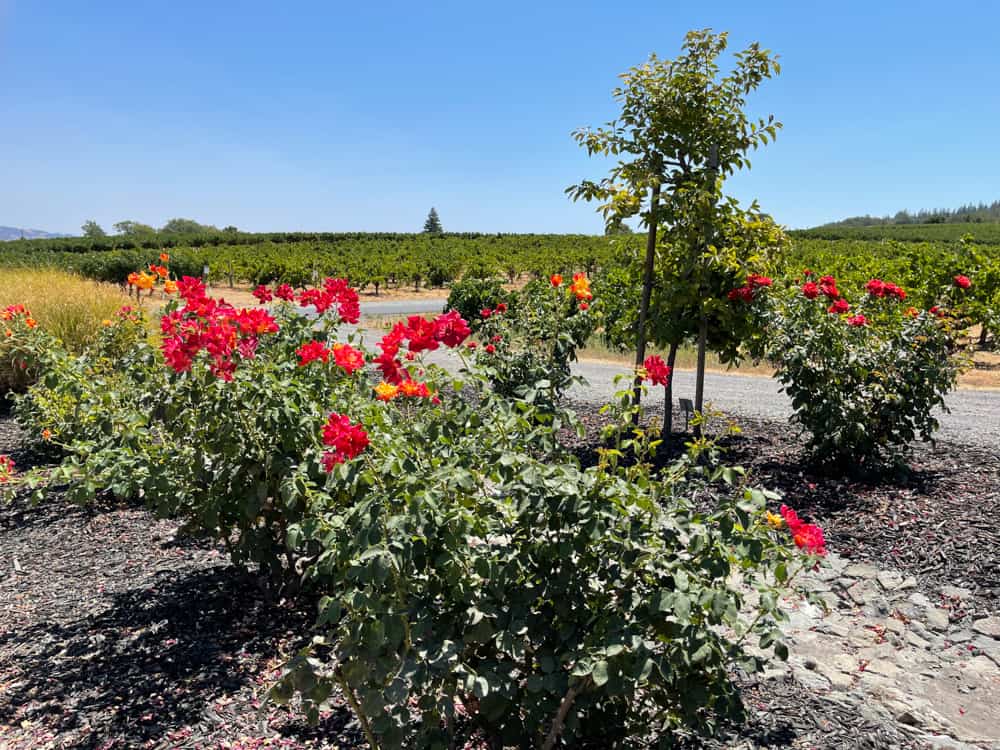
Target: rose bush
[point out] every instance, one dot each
(471, 295)
(473, 580)
(527, 344)
(864, 377)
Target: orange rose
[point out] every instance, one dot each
(386, 391)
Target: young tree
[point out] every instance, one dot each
(433, 223)
(93, 230)
(681, 131)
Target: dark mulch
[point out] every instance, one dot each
(936, 520)
(118, 633)
(115, 633)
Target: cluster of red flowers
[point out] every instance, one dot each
(12, 312)
(161, 271)
(806, 536)
(346, 357)
(312, 351)
(857, 321)
(879, 288)
(333, 292)
(347, 440)
(657, 371)
(449, 329)
(211, 325)
(486, 313)
(962, 282)
(838, 307)
(827, 286)
(6, 469)
(748, 291)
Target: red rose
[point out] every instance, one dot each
(657, 371)
(312, 351)
(451, 329)
(263, 294)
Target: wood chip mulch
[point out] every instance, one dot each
(118, 632)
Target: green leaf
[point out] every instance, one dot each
(600, 673)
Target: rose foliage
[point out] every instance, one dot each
(472, 579)
(865, 374)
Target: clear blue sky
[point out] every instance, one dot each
(362, 115)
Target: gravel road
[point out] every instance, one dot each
(974, 414)
(973, 417)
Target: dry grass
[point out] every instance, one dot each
(64, 304)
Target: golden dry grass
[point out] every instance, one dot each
(64, 304)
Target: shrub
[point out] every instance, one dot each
(471, 295)
(863, 378)
(527, 344)
(472, 579)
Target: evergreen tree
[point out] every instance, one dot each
(433, 223)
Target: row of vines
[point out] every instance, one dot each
(376, 261)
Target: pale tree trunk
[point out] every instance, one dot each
(699, 383)
(647, 293)
(668, 395)
(699, 388)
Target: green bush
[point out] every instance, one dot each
(527, 344)
(863, 382)
(473, 581)
(470, 296)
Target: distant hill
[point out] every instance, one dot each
(982, 233)
(16, 233)
(973, 213)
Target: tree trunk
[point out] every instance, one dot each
(647, 293)
(668, 395)
(699, 383)
(699, 388)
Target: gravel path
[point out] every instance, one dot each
(974, 414)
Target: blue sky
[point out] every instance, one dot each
(360, 116)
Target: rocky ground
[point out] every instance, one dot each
(116, 632)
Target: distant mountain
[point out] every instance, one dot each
(15, 233)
